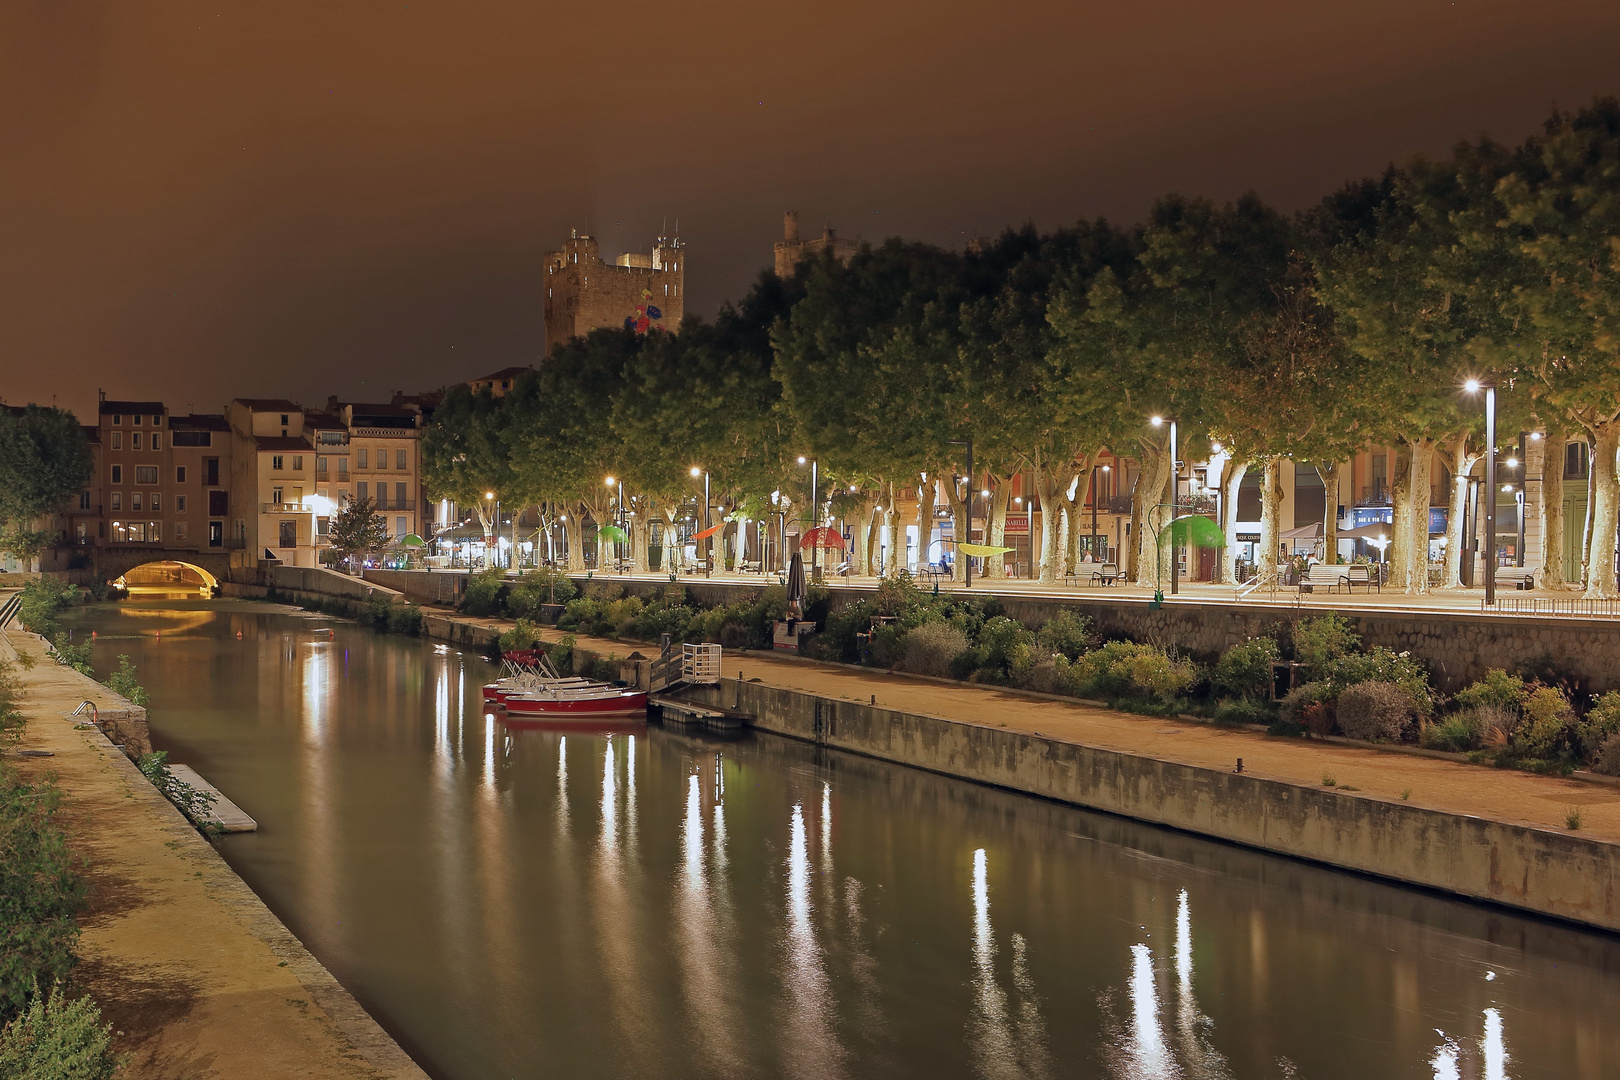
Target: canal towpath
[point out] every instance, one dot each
(196, 975)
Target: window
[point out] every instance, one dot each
(283, 419)
(118, 500)
(219, 503)
(154, 531)
(135, 501)
(399, 528)
(1577, 461)
(289, 534)
(275, 462)
(157, 440)
(118, 474)
(157, 500)
(361, 464)
(361, 490)
(211, 467)
(118, 440)
(179, 530)
(343, 468)
(84, 500)
(399, 460)
(298, 463)
(157, 421)
(320, 465)
(179, 474)
(216, 534)
(135, 440)
(179, 504)
(275, 495)
(399, 496)
(382, 496)
(146, 474)
(136, 419)
(323, 526)
(118, 418)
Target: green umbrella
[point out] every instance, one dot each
(614, 533)
(1195, 530)
(412, 540)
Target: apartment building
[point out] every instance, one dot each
(162, 481)
(273, 474)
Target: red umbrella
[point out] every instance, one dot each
(823, 537)
(710, 531)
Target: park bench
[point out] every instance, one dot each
(1359, 574)
(935, 571)
(1107, 574)
(1302, 579)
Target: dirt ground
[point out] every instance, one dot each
(197, 977)
(1439, 784)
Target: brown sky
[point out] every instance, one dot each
(207, 200)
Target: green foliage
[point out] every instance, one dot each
(1466, 730)
(1607, 760)
(536, 588)
(1383, 665)
(930, 648)
(524, 635)
(1497, 688)
(1068, 634)
(58, 1038)
(1003, 645)
(358, 529)
(1310, 706)
(196, 805)
(1323, 640)
(122, 681)
(40, 891)
(44, 461)
(11, 717)
(1600, 724)
(561, 653)
(42, 599)
(1375, 711)
(485, 594)
(1123, 670)
(1245, 711)
(403, 619)
(1547, 718)
(1245, 668)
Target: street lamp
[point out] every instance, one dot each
(494, 558)
(1474, 386)
(708, 541)
(1175, 494)
(815, 512)
(967, 560)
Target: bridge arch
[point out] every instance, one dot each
(168, 576)
(163, 569)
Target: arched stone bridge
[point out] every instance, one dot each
(114, 561)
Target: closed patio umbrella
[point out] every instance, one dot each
(795, 587)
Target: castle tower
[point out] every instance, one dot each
(636, 291)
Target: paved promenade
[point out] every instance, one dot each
(196, 975)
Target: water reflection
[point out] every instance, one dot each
(811, 1049)
(704, 980)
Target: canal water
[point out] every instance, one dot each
(525, 904)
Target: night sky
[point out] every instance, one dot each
(203, 201)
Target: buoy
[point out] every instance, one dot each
(92, 633)
(239, 635)
(330, 633)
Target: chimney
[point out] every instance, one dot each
(790, 225)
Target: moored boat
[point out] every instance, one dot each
(584, 703)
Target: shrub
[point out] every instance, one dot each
(11, 717)
(1068, 634)
(1245, 668)
(1323, 640)
(1547, 713)
(1122, 669)
(1458, 733)
(1607, 760)
(580, 614)
(124, 683)
(930, 648)
(1244, 711)
(522, 636)
(1384, 666)
(1310, 706)
(561, 653)
(1003, 643)
(404, 619)
(485, 594)
(1497, 688)
(40, 891)
(1052, 673)
(537, 588)
(58, 1038)
(1599, 725)
(1374, 711)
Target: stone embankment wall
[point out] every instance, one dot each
(300, 583)
(1549, 873)
(121, 720)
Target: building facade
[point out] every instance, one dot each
(640, 292)
(162, 481)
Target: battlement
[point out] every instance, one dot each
(637, 291)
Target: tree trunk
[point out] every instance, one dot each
(1271, 481)
(995, 566)
(889, 517)
(1400, 534)
(1149, 515)
(1552, 574)
(1417, 580)
(1235, 471)
(1072, 506)
(1463, 460)
(1332, 480)
(1045, 485)
(1605, 513)
(925, 519)
(574, 529)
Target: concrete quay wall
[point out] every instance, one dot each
(1549, 873)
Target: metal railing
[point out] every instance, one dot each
(8, 610)
(1572, 607)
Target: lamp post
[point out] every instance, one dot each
(815, 515)
(1474, 386)
(493, 559)
(967, 560)
(1175, 493)
(697, 471)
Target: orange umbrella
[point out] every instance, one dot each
(710, 531)
(822, 537)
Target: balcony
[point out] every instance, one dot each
(383, 433)
(407, 505)
(321, 475)
(286, 508)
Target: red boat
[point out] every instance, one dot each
(586, 704)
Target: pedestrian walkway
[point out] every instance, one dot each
(1436, 783)
(195, 974)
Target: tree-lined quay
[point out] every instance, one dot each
(1264, 337)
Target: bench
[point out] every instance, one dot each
(935, 570)
(1107, 574)
(1520, 577)
(1359, 574)
(1303, 580)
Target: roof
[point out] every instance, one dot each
(504, 373)
(268, 404)
(200, 422)
(321, 420)
(378, 410)
(91, 433)
(108, 407)
(280, 442)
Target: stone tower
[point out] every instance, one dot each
(790, 249)
(642, 292)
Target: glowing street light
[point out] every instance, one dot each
(1474, 386)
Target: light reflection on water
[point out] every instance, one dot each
(688, 908)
